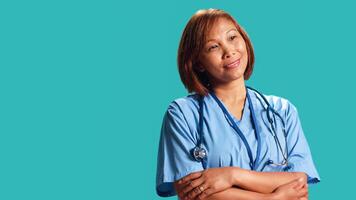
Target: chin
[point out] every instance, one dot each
(234, 78)
(238, 74)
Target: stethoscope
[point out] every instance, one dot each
(199, 153)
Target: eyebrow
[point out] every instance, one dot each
(233, 29)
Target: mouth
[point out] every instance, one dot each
(234, 64)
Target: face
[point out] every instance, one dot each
(224, 56)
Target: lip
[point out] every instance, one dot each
(236, 63)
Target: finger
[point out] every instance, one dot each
(179, 188)
(182, 183)
(197, 191)
(190, 177)
(303, 192)
(206, 193)
(307, 195)
(292, 183)
(299, 184)
(193, 193)
(192, 185)
(306, 186)
(180, 197)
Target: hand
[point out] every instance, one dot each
(294, 190)
(184, 182)
(202, 184)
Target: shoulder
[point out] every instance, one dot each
(280, 104)
(187, 105)
(182, 114)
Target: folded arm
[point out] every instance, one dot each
(231, 182)
(295, 189)
(263, 182)
(238, 193)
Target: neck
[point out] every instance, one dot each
(231, 93)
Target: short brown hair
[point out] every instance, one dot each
(192, 43)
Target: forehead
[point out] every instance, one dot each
(220, 26)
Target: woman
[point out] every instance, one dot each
(228, 141)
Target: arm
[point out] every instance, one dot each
(174, 160)
(263, 182)
(228, 194)
(214, 180)
(237, 193)
(295, 189)
(218, 182)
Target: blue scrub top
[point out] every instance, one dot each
(224, 147)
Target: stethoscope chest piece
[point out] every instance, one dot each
(199, 153)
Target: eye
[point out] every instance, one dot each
(233, 37)
(212, 47)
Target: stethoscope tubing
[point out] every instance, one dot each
(199, 153)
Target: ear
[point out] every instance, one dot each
(201, 68)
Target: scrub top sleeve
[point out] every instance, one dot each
(174, 158)
(300, 158)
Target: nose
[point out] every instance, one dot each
(229, 51)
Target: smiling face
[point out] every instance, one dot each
(224, 56)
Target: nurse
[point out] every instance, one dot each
(252, 146)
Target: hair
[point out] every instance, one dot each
(192, 43)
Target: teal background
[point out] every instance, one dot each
(84, 86)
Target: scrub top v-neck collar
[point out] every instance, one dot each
(232, 121)
(245, 112)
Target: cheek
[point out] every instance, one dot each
(243, 50)
(212, 60)
(242, 47)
